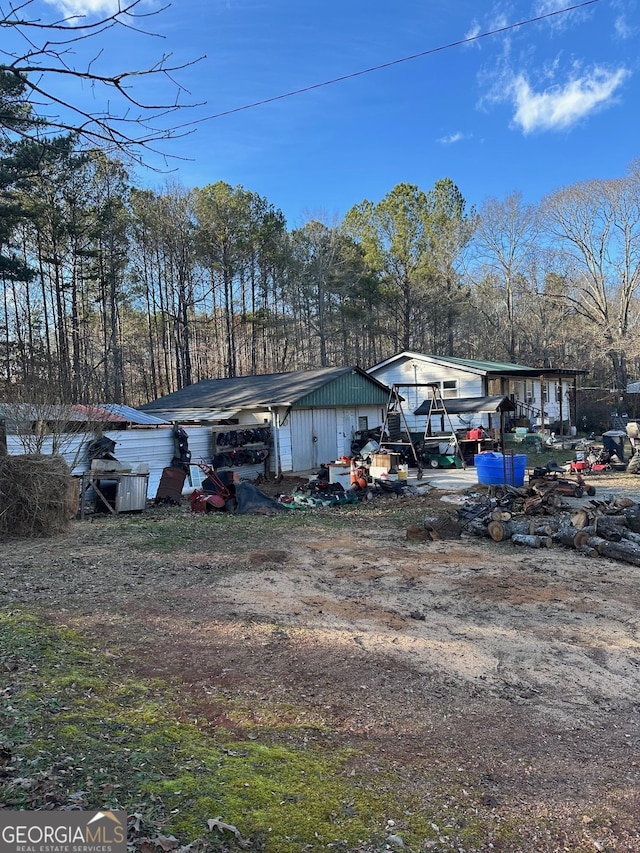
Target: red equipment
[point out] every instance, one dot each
(212, 498)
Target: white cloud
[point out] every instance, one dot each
(624, 30)
(544, 7)
(86, 8)
(560, 107)
(473, 31)
(561, 21)
(451, 138)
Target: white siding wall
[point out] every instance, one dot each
(348, 424)
(414, 371)
(284, 442)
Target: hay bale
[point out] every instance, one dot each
(35, 495)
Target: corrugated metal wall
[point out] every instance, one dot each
(154, 446)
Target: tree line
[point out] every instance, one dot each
(112, 292)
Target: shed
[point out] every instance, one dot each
(312, 414)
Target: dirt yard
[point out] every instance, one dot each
(510, 676)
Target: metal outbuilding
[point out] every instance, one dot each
(313, 414)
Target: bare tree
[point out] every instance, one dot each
(505, 245)
(596, 226)
(40, 54)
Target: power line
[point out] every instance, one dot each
(393, 62)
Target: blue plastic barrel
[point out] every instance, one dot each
(492, 468)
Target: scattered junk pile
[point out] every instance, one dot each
(352, 479)
(110, 486)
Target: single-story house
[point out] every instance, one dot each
(540, 395)
(311, 416)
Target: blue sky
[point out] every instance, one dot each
(538, 107)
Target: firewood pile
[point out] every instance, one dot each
(538, 516)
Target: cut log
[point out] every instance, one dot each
(477, 528)
(629, 534)
(625, 552)
(589, 552)
(528, 540)
(603, 527)
(572, 537)
(623, 503)
(499, 530)
(596, 542)
(632, 514)
(581, 518)
(547, 529)
(500, 515)
(523, 525)
(616, 518)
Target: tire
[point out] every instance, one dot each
(433, 463)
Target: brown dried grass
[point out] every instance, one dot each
(36, 496)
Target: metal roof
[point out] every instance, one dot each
(194, 416)
(469, 405)
(499, 368)
(254, 392)
(132, 416)
(20, 417)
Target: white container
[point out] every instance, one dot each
(340, 474)
(376, 471)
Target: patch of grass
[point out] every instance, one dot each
(76, 731)
(173, 530)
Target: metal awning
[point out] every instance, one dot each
(196, 416)
(469, 405)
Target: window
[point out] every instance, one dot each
(449, 388)
(363, 423)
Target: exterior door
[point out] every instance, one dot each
(314, 438)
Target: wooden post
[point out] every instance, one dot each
(561, 408)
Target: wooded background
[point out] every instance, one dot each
(116, 293)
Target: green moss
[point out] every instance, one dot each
(75, 724)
